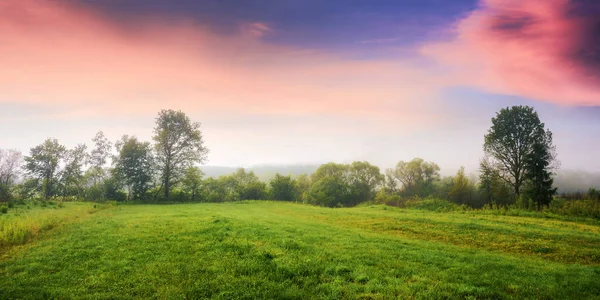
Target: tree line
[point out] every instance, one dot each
(517, 169)
(138, 170)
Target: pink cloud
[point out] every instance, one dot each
(57, 53)
(545, 50)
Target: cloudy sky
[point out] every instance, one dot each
(281, 81)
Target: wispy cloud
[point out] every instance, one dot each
(58, 53)
(544, 50)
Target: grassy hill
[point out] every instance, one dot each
(272, 250)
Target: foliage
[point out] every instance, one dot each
(330, 191)
(538, 175)
(246, 185)
(516, 139)
(135, 165)
(43, 162)
(98, 158)
(435, 205)
(461, 188)
(491, 186)
(576, 208)
(283, 188)
(5, 193)
(364, 179)
(10, 166)
(416, 177)
(72, 175)
(390, 199)
(178, 144)
(192, 182)
(303, 185)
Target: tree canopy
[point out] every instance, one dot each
(43, 162)
(521, 149)
(179, 145)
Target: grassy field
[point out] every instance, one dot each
(269, 250)
(24, 223)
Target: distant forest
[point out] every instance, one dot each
(518, 170)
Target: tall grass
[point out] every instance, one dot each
(586, 211)
(22, 224)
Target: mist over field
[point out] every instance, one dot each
(565, 180)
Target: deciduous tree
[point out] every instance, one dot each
(43, 162)
(10, 166)
(192, 181)
(365, 178)
(178, 144)
(511, 142)
(416, 176)
(135, 164)
(98, 157)
(283, 188)
(71, 176)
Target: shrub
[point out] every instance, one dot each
(436, 205)
(579, 208)
(4, 209)
(382, 197)
(5, 194)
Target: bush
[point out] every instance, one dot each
(4, 209)
(389, 199)
(578, 208)
(5, 195)
(436, 205)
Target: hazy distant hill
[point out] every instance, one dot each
(572, 181)
(264, 172)
(566, 180)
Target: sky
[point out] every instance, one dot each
(303, 82)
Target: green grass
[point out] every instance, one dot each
(269, 250)
(25, 222)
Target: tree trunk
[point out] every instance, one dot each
(167, 187)
(167, 180)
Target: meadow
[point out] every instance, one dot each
(276, 250)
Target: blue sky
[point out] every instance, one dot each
(283, 82)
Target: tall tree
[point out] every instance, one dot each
(283, 188)
(247, 185)
(416, 175)
(487, 180)
(192, 181)
(303, 185)
(10, 165)
(330, 186)
(365, 178)
(460, 193)
(539, 174)
(511, 140)
(71, 176)
(98, 156)
(179, 145)
(43, 162)
(492, 188)
(135, 164)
